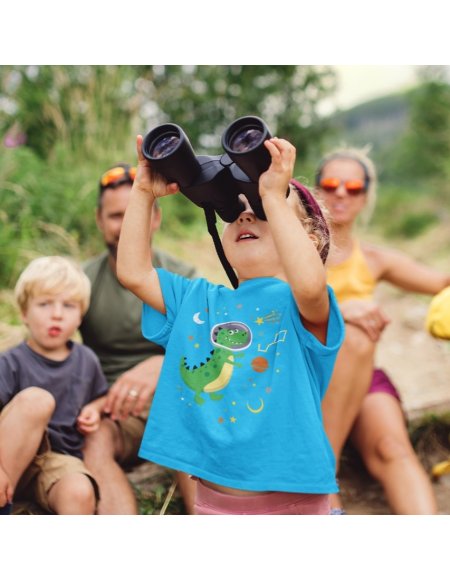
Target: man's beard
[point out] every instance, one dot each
(112, 249)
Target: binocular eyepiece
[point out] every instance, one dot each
(214, 181)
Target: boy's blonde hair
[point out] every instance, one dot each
(53, 275)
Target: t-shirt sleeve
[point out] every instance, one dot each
(322, 356)
(156, 326)
(8, 379)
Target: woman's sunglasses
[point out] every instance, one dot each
(352, 187)
(117, 175)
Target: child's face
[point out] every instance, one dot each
(52, 319)
(249, 245)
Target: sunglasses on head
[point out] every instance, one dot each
(117, 175)
(352, 187)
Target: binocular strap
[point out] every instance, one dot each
(210, 216)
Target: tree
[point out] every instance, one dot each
(426, 148)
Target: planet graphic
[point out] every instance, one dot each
(260, 364)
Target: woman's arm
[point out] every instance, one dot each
(134, 261)
(404, 272)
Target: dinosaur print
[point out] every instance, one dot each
(215, 373)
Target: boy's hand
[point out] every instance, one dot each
(148, 181)
(89, 420)
(275, 181)
(6, 489)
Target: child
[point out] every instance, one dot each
(50, 394)
(238, 401)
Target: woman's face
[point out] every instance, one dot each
(343, 207)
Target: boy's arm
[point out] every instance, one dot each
(300, 259)
(134, 263)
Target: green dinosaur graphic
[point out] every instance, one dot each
(215, 373)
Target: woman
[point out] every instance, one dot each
(361, 402)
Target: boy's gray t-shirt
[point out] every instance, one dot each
(73, 383)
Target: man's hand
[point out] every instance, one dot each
(133, 391)
(366, 315)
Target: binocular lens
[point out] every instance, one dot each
(245, 139)
(164, 145)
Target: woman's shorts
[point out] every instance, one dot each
(382, 384)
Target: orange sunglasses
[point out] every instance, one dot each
(117, 175)
(352, 187)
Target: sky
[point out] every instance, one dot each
(359, 83)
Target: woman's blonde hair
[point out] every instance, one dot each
(370, 173)
(53, 275)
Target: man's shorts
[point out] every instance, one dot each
(131, 431)
(46, 469)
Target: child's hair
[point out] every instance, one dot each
(370, 173)
(314, 223)
(52, 275)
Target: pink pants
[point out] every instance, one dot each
(208, 501)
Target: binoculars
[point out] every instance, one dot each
(214, 182)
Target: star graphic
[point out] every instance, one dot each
(259, 321)
(233, 420)
(196, 345)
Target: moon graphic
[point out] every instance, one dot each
(196, 319)
(258, 410)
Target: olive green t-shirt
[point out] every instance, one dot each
(112, 325)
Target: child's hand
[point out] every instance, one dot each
(146, 181)
(6, 489)
(89, 420)
(275, 181)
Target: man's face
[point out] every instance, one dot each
(111, 213)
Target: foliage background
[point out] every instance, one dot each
(62, 126)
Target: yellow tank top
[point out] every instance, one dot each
(352, 278)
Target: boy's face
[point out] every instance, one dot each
(52, 319)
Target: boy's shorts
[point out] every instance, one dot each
(47, 468)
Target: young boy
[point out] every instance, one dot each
(51, 394)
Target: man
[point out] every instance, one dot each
(112, 328)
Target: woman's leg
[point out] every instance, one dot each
(348, 387)
(381, 437)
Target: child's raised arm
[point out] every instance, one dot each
(134, 262)
(300, 259)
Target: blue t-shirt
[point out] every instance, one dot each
(239, 397)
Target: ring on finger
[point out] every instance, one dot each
(133, 394)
